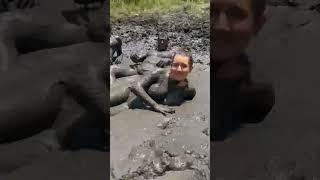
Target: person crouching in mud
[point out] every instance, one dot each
(168, 86)
(236, 97)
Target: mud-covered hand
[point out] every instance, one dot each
(135, 58)
(162, 63)
(164, 110)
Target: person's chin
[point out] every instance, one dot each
(221, 58)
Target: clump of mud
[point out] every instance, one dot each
(155, 158)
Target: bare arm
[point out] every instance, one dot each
(139, 90)
(164, 54)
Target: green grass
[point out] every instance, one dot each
(127, 8)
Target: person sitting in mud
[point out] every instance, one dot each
(161, 57)
(115, 48)
(168, 86)
(237, 98)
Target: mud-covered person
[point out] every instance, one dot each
(236, 97)
(166, 86)
(143, 63)
(160, 57)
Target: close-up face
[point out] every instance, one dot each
(180, 68)
(163, 43)
(233, 25)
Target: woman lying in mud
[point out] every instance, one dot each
(167, 86)
(35, 107)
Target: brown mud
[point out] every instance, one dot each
(146, 144)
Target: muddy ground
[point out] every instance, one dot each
(146, 144)
(285, 146)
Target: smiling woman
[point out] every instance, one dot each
(237, 98)
(167, 86)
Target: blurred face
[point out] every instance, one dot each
(233, 25)
(180, 68)
(163, 43)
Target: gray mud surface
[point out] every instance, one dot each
(285, 146)
(38, 157)
(146, 144)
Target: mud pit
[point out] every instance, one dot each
(147, 145)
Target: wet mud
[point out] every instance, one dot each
(146, 144)
(286, 144)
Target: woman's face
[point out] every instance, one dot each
(232, 27)
(180, 68)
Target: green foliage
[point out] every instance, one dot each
(126, 8)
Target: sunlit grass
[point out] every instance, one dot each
(127, 8)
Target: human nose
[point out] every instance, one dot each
(221, 22)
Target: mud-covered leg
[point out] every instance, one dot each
(87, 87)
(118, 72)
(117, 109)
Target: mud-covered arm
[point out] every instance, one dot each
(166, 57)
(136, 58)
(165, 54)
(139, 88)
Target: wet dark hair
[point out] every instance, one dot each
(259, 7)
(183, 52)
